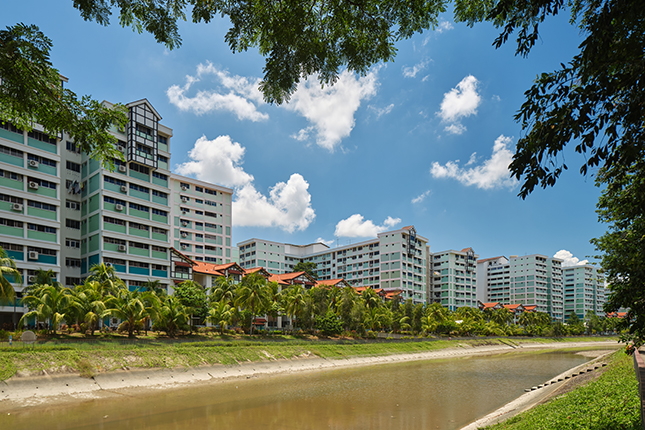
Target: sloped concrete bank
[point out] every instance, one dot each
(533, 396)
(19, 392)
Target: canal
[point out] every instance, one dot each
(434, 394)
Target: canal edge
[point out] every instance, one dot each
(535, 395)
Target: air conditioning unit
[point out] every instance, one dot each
(124, 189)
(16, 207)
(121, 148)
(32, 278)
(184, 188)
(119, 207)
(184, 212)
(184, 224)
(122, 169)
(184, 246)
(122, 248)
(184, 199)
(33, 185)
(184, 234)
(33, 163)
(32, 255)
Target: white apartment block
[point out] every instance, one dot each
(453, 278)
(584, 290)
(528, 280)
(62, 211)
(201, 215)
(395, 260)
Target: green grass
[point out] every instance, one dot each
(89, 358)
(609, 403)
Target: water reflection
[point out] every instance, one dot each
(444, 394)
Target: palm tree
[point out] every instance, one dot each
(87, 303)
(8, 273)
(133, 307)
(253, 294)
(294, 299)
(47, 303)
(173, 315)
(371, 298)
(502, 316)
(106, 276)
(221, 314)
(155, 287)
(223, 290)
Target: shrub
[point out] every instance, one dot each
(329, 325)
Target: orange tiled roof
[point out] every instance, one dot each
(466, 249)
(391, 294)
(530, 307)
(211, 268)
(330, 282)
(489, 305)
(285, 278)
(616, 314)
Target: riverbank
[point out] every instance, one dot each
(606, 400)
(24, 390)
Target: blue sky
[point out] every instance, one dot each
(424, 140)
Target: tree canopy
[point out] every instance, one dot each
(31, 91)
(307, 266)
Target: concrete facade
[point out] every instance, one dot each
(394, 260)
(62, 211)
(530, 280)
(584, 290)
(453, 280)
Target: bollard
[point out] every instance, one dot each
(10, 341)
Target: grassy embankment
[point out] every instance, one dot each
(609, 403)
(103, 356)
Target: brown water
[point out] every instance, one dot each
(445, 394)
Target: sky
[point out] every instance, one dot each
(424, 140)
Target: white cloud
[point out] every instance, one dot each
(330, 110)
(236, 94)
(444, 26)
(326, 242)
(493, 173)
(420, 197)
(382, 111)
(288, 205)
(218, 161)
(411, 72)
(455, 128)
(472, 159)
(356, 226)
(460, 102)
(568, 259)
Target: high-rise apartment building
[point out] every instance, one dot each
(453, 278)
(64, 212)
(528, 280)
(584, 290)
(394, 260)
(201, 215)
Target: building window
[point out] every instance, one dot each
(73, 166)
(70, 223)
(73, 205)
(72, 243)
(72, 262)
